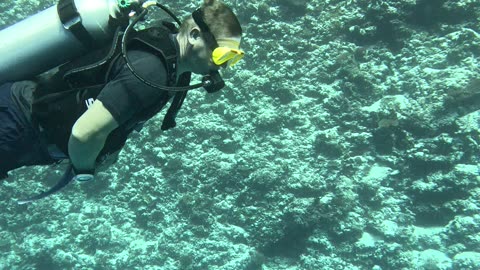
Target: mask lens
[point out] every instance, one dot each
(222, 55)
(236, 58)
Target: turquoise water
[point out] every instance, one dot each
(347, 138)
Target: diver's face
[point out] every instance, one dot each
(200, 56)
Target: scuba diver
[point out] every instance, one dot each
(85, 111)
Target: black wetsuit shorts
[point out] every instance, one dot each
(20, 144)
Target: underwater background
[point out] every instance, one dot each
(347, 138)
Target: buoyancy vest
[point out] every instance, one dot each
(61, 100)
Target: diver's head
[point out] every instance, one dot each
(210, 38)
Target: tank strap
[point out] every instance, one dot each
(71, 20)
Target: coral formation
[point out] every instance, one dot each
(348, 138)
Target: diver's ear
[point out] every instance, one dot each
(194, 35)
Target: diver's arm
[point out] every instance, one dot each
(89, 135)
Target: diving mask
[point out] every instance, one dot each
(228, 52)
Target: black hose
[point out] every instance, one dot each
(63, 182)
(169, 13)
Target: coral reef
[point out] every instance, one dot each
(348, 138)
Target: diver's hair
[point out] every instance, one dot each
(219, 17)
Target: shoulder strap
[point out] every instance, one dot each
(158, 40)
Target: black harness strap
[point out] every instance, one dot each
(158, 39)
(71, 20)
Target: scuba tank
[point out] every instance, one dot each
(68, 30)
(55, 36)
